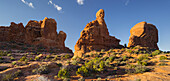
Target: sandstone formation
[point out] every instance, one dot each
(145, 35)
(95, 36)
(35, 33)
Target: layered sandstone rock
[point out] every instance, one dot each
(36, 33)
(15, 32)
(95, 36)
(145, 35)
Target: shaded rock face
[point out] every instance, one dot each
(145, 35)
(15, 32)
(95, 36)
(36, 33)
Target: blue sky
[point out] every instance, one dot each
(73, 15)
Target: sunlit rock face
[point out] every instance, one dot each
(95, 36)
(145, 35)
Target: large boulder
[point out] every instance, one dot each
(95, 36)
(145, 35)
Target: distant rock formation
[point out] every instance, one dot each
(145, 35)
(35, 33)
(95, 36)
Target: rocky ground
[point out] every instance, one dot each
(135, 64)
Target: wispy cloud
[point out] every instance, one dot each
(127, 2)
(27, 3)
(55, 6)
(80, 2)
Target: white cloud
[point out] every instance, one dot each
(27, 3)
(127, 2)
(55, 6)
(80, 2)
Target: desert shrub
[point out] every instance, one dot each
(55, 58)
(13, 63)
(81, 79)
(23, 58)
(135, 48)
(138, 80)
(137, 69)
(162, 58)
(43, 78)
(10, 77)
(136, 52)
(143, 57)
(162, 64)
(1, 58)
(9, 55)
(37, 58)
(66, 79)
(67, 56)
(143, 62)
(63, 73)
(99, 79)
(18, 73)
(48, 56)
(102, 50)
(2, 53)
(83, 71)
(112, 58)
(107, 63)
(74, 62)
(156, 52)
(130, 51)
(43, 69)
(97, 65)
(124, 58)
(7, 77)
(59, 65)
(12, 58)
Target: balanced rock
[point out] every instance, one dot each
(145, 35)
(95, 36)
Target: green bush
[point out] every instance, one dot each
(67, 56)
(37, 58)
(12, 58)
(156, 52)
(102, 50)
(143, 57)
(48, 56)
(112, 58)
(83, 71)
(162, 58)
(43, 69)
(144, 62)
(1, 58)
(10, 77)
(130, 51)
(63, 73)
(9, 55)
(137, 69)
(74, 62)
(13, 63)
(2, 53)
(23, 58)
(124, 58)
(81, 79)
(163, 64)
